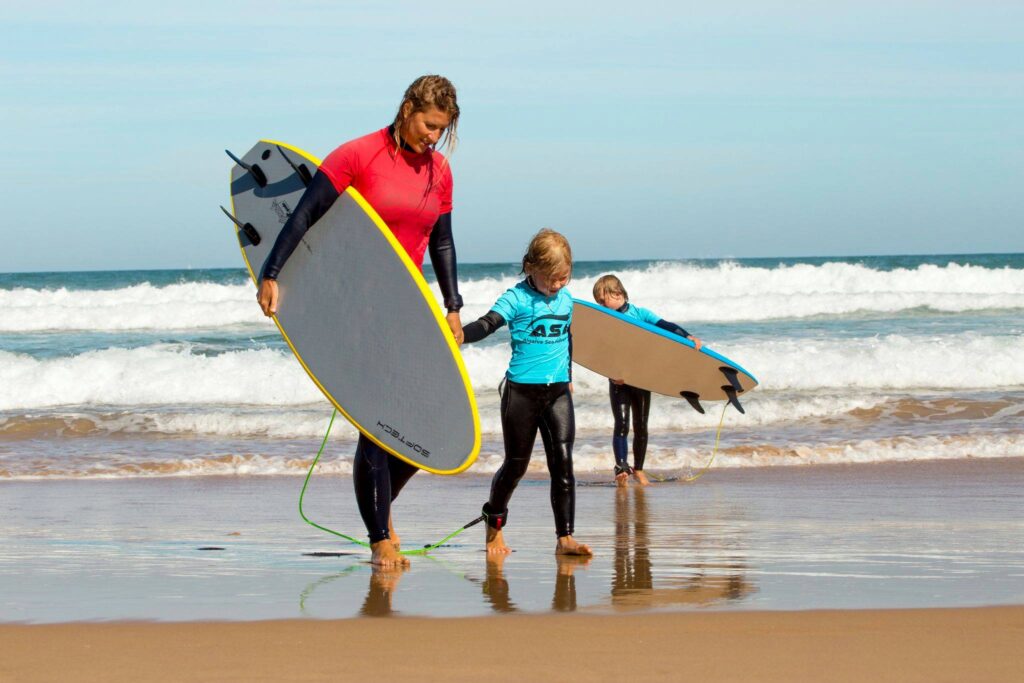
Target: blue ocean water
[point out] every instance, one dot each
(866, 359)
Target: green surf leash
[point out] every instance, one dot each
(309, 475)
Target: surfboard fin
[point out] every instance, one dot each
(302, 170)
(254, 170)
(734, 389)
(730, 392)
(251, 233)
(693, 399)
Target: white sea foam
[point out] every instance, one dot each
(679, 292)
(174, 374)
(589, 460)
(593, 416)
(198, 305)
(732, 292)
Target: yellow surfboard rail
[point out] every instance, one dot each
(428, 296)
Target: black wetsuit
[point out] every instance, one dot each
(377, 476)
(525, 410)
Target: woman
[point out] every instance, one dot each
(397, 170)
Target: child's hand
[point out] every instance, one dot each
(696, 342)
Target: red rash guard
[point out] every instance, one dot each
(408, 190)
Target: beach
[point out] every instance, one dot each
(902, 572)
(861, 521)
(893, 645)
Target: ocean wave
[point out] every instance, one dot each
(669, 419)
(195, 305)
(685, 293)
(591, 462)
(729, 292)
(175, 374)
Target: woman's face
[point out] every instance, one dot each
(421, 130)
(549, 284)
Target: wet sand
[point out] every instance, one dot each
(972, 644)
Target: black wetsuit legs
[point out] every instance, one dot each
(626, 400)
(378, 478)
(525, 410)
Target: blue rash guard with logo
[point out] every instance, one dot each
(539, 326)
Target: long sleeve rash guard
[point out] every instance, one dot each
(411, 193)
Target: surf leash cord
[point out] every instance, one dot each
(309, 475)
(714, 451)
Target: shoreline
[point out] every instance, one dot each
(962, 644)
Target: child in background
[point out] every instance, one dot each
(610, 293)
(537, 390)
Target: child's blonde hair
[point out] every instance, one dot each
(608, 284)
(548, 252)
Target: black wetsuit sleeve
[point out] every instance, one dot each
(442, 257)
(318, 198)
(570, 353)
(672, 327)
(482, 327)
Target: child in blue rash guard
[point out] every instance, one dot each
(537, 391)
(610, 293)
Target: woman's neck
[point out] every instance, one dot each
(402, 143)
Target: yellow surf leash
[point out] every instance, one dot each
(714, 452)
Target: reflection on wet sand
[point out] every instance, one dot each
(633, 582)
(496, 590)
(383, 583)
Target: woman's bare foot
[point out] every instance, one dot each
(395, 540)
(622, 479)
(385, 554)
(496, 542)
(641, 479)
(567, 545)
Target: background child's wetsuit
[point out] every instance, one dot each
(535, 396)
(412, 193)
(626, 400)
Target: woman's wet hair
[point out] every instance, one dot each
(548, 253)
(609, 284)
(431, 91)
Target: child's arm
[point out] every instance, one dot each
(482, 327)
(672, 327)
(675, 329)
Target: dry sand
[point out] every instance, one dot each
(983, 644)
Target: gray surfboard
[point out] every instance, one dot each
(358, 315)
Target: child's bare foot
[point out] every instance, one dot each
(641, 479)
(622, 479)
(567, 564)
(395, 540)
(496, 542)
(567, 545)
(385, 555)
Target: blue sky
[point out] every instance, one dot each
(640, 129)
